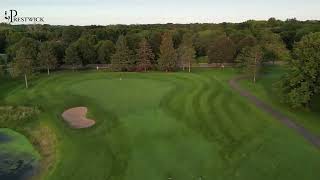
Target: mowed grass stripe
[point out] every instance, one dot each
(183, 125)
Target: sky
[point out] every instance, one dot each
(104, 12)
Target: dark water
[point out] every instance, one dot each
(24, 165)
(21, 173)
(4, 138)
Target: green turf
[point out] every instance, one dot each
(266, 90)
(160, 125)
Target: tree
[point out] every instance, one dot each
(105, 49)
(273, 47)
(155, 40)
(250, 61)
(23, 64)
(2, 65)
(186, 51)
(222, 50)
(168, 56)
(203, 40)
(59, 49)
(247, 41)
(86, 50)
(122, 59)
(302, 82)
(29, 43)
(71, 34)
(72, 56)
(145, 55)
(3, 42)
(46, 56)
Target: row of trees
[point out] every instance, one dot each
(203, 35)
(30, 55)
(167, 47)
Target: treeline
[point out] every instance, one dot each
(102, 44)
(168, 47)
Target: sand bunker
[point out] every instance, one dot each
(76, 118)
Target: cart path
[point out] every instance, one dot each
(314, 140)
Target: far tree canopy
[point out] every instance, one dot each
(222, 50)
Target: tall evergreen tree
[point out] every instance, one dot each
(122, 59)
(168, 56)
(46, 56)
(145, 55)
(186, 52)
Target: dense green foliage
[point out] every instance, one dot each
(168, 55)
(186, 125)
(302, 83)
(250, 61)
(186, 52)
(46, 56)
(264, 89)
(16, 117)
(221, 42)
(222, 50)
(72, 57)
(105, 49)
(122, 59)
(23, 64)
(145, 56)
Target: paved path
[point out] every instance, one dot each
(314, 140)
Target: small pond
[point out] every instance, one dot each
(18, 158)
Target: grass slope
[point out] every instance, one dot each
(160, 125)
(265, 90)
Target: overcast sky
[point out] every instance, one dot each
(103, 12)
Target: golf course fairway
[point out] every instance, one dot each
(155, 126)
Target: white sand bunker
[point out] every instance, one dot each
(76, 118)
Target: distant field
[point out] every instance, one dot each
(160, 125)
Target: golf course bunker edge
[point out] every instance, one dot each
(76, 118)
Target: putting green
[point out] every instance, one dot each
(160, 125)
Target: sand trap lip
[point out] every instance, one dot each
(76, 118)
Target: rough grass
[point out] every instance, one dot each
(265, 90)
(16, 116)
(160, 125)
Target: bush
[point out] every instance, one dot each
(13, 117)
